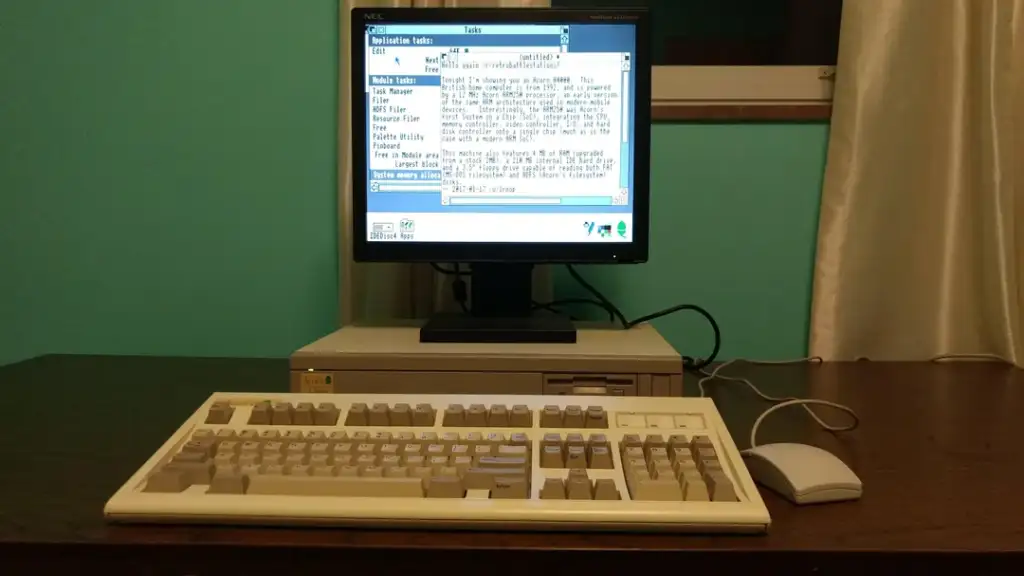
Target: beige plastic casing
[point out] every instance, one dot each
(391, 360)
(626, 415)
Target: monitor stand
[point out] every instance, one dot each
(502, 307)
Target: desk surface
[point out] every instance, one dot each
(939, 451)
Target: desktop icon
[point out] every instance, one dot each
(407, 225)
(604, 231)
(589, 227)
(622, 229)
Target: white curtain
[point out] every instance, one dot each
(376, 292)
(921, 237)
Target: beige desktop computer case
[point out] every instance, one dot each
(391, 360)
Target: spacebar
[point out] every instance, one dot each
(336, 486)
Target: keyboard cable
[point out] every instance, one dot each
(780, 402)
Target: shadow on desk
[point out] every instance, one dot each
(939, 451)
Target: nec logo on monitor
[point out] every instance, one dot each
(373, 16)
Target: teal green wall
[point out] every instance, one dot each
(167, 186)
(734, 222)
(167, 176)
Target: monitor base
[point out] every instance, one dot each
(473, 329)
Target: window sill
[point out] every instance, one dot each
(741, 93)
(741, 112)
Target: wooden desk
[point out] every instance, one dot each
(940, 451)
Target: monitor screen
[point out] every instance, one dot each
(500, 132)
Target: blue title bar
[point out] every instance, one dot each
(464, 40)
(499, 29)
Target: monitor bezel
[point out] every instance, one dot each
(549, 252)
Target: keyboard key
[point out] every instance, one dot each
(509, 451)
(302, 415)
(400, 415)
(260, 414)
(656, 489)
(167, 481)
(653, 441)
(573, 417)
(699, 442)
(596, 417)
(521, 417)
(325, 414)
(476, 416)
(281, 414)
(551, 439)
(445, 487)
(599, 440)
(600, 458)
(574, 439)
(358, 414)
(497, 416)
(396, 472)
(551, 457)
(454, 416)
(576, 457)
(551, 417)
(694, 488)
(220, 413)
(195, 472)
(423, 415)
(379, 415)
(677, 441)
(207, 446)
(336, 486)
(204, 434)
(507, 488)
(579, 489)
(720, 488)
(501, 462)
(604, 489)
(483, 478)
(553, 489)
(631, 441)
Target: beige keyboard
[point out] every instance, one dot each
(442, 461)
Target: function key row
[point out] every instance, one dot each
(382, 414)
(267, 413)
(285, 414)
(478, 415)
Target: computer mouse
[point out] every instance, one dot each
(801, 473)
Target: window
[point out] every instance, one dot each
(770, 59)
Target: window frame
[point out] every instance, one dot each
(742, 92)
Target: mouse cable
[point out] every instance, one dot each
(689, 363)
(780, 402)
